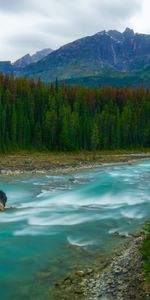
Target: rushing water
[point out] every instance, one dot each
(61, 221)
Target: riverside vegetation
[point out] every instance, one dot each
(145, 251)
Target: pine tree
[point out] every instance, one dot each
(94, 139)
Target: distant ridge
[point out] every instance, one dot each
(92, 57)
(7, 67)
(29, 59)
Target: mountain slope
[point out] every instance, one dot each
(90, 56)
(6, 67)
(29, 59)
(114, 79)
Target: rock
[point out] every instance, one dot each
(3, 199)
(2, 208)
(89, 271)
(68, 281)
(80, 273)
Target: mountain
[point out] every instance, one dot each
(93, 55)
(107, 57)
(16, 68)
(29, 59)
(6, 67)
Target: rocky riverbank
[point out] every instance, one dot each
(119, 278)
(62, 163)
(122, 280)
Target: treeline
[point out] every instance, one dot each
(37, 116)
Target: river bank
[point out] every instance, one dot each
(63, 163)
(121, 277)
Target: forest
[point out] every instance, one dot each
(36, 116)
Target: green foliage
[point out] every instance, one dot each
(95, 138)
(37, 116)
(145, 250)
(115, 79)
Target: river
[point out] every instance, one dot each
(60, 223)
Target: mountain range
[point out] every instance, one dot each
(17, 66)
(94, 60)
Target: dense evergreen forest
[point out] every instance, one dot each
(37, 116)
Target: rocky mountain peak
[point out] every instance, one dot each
(29, 59)
(128, 32)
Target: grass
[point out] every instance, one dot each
(145, 251)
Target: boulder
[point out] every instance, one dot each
(3, 200)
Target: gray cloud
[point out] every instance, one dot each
(79, 18)
(28, 41)
(14, 6)
(118, 9)
(52, 23)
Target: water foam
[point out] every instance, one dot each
(79, 242)
(33, 232)
(132, 214)
(59, 220)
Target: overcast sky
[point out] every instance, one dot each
(30, 25)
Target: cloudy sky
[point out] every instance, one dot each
(30, 25)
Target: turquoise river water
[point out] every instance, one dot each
(60, 222)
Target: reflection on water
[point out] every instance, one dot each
(61, 222)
